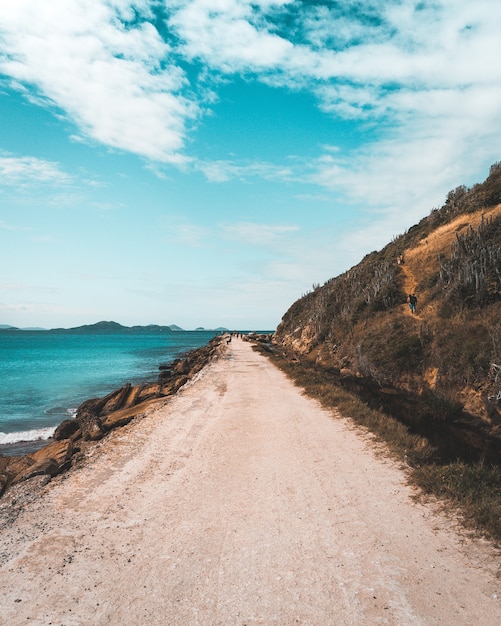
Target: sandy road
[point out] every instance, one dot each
(240, 502)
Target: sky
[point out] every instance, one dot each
(206, 162)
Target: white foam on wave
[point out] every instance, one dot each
(27, 435)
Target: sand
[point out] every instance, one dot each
(240, 502)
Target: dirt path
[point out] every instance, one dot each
(240, 502)
(410, 284)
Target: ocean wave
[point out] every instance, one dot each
(27, 435)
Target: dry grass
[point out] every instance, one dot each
(475, 489)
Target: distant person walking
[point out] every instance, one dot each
(412, 303)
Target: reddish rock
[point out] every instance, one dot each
(124, 416)
(51, 460)
(50, 467)
(118, 401)
(60, 451)
(180, 367)
(18, 465)
(178, 383)
(149, 391)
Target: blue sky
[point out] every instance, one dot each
(205, 162)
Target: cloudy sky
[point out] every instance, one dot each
(204, 162)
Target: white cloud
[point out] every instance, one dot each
(113, 79)
(427, 73)
(436, 139)
(105, 64)
(223, 171)
(29, 171)
(222, 33)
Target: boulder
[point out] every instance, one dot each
(18, 465)
(180, 367)
(124, 416)
(164, 375)
(91, 427)
(4, 462)
(148, 392)
(119, 418)
(3, 483)
(66, 430)
(49, 467)
(88, 420)
(118, 401)
(174, 385)
(59, 451)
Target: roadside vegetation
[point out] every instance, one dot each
(427, 381)
(471, 488)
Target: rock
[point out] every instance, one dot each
(88, 419)
(118, 401)
(51, 460)
(18, 465)
(134, 396)
(124, 416)
(148, 392)
(164, 376)
(91, 427)
(4, 462)
(176, 384)
(3, 483)
(50, 467)
(60, 451)
(76, 436)
(66, 430)
(180, 367)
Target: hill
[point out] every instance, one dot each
(438, 370)
(115, 328)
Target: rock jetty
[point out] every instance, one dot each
(95, 418)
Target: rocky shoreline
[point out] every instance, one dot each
(97, 417)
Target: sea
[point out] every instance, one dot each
(45, 376)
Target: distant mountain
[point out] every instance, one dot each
(105, 328)
(9, 327)
(220, 329)
(113, 328)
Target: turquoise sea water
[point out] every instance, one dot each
(45, 376)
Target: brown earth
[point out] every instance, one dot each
(239, 502)
(421, 261)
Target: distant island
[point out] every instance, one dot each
(107, 328)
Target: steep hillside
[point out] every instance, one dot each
(438, 369)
